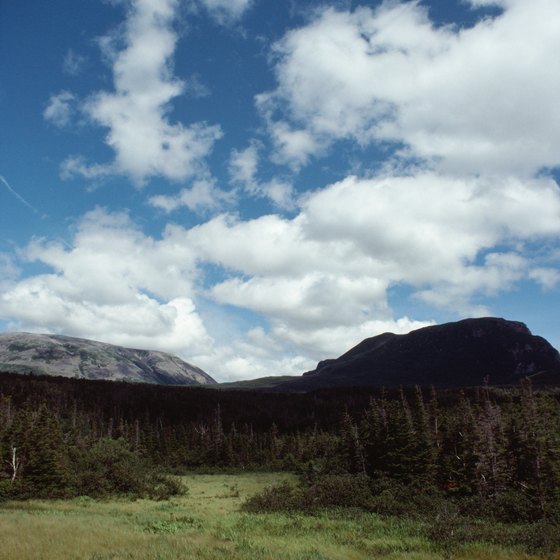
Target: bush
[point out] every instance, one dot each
(540, 537)
(510, 506)
(161, 487)
(328, 491)
(109, 467)
(390, 497)
(322, 492)
(514, 506)
(281, 497)
(337, 491)
(6, 489)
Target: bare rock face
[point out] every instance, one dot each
(76, 357)
(460, 354)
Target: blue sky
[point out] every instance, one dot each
(258, 185)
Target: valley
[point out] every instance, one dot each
(333, 464)
(209, 524)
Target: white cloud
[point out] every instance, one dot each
(226, 11)
(481, 99)
(202, 196)
(294, 147)
(484, 3)
(244, 164)
(243, 168)
(333, 264)
(76, 166)
(9, 272)
(547, 277)
(146, 143)
(60, 109)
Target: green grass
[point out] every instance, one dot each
(207, 524)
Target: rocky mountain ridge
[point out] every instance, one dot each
(88, 359)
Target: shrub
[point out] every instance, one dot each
(161, 487)
(337, 491)
(323, 492)
(540, 537)
(390, 497)
(281, 497)
(510, 506)
(110, 467)
(514, 506)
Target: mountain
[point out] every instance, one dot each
(88, 359)
(460, 354)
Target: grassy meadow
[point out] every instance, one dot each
(208, 523)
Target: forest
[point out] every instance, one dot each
(486, 450)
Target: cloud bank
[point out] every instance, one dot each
(320, 280)
(475, 100)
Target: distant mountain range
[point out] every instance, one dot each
(460, 354)
(80, 358)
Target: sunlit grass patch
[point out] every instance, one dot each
(208, 524)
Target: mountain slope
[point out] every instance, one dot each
(450, 355)
(89, 359)
(459, 354)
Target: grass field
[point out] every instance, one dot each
(207, 524)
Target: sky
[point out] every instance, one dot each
(256, 185)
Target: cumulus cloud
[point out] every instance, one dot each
(77, 166)
(60, 109)
(226, 11)
(547, 277)
(146, 143)
(114, 285)
(204, 195)
(333, 264)
(481, 99)
(243, 168)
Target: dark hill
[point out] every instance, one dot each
(460, 354)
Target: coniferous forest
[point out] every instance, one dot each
(487, 450)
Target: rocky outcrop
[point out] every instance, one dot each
(89, 359)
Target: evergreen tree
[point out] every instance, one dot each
(350, 447)
(374, 430)
(457, 470)
(490, 448)
(425, 450)
(46, 472)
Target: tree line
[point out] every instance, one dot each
(62, 437)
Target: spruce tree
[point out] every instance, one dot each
(351, 449)
(47, 472)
